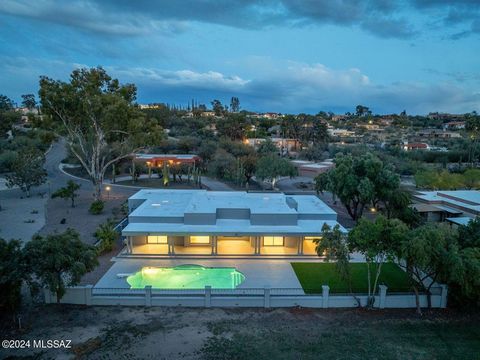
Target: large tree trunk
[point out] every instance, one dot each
(97, 188)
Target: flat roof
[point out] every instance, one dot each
(177, 202)
(460, 220)
(466, 199)
(156, 207)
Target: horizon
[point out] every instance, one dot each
(288, 56)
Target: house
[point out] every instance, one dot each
(157, 160)
(457, 207)
(415, 146)
(283, 144)
(224, 223)
(438, 134)
(454, 125)
(312, 169)
(340, 132)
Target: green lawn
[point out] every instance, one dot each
(313, 275)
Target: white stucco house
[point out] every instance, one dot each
(223, 223)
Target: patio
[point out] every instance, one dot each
(272, 273)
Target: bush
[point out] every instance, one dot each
(107, 235)
(96, 207)
(7, 159)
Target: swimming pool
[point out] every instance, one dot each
(186, 277)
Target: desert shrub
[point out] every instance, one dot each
(7, 159)
(106, 235)
(96, 207)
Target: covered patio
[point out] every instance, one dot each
(221, 245)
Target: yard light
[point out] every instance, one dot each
(373, 210)
(108, 188)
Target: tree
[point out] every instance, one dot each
(318, 132)
(471, 178)
(267, 148)
(234, 104)
(361, 110)
(27, 170)
(428, 253)
(271, 167)
(232, 126)
(378, 242)
(13, 272)
(6, 104)
(472, 125)
(249, 165)
(358, 181)
(207, 150)
(100, 120)
(222, 165)
(333, 246)
(292, 127)
(8, 116)
(469, 235)
(60, 260)
(68, 192)
(28, 101)
(217, 107)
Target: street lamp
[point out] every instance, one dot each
(108, 188)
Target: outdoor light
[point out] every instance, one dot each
(108, 188)
(373, 210)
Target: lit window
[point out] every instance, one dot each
(273, 241)
(196, 240)
(157, 239)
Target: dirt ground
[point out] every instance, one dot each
(189, 333)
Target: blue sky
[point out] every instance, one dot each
(275, 55)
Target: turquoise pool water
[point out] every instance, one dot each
(186, 277)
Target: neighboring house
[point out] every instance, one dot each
(340, 132)
(312, 169)
(454, 125)
(437, 134)
(157, 160)
(224, 223)
(415, 146)
(457, 207)
(281, 143)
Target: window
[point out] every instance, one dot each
(199, 240)
(273, 241)
(157, 239)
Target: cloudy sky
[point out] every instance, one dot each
(275, 55)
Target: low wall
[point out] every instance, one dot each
(266, 298)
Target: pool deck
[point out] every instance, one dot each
(276, 273)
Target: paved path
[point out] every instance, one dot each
(289, 184)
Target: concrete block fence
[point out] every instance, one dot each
(260, 297)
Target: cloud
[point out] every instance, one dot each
(285, 86)
(296, 87)
(89, 16)
(383, 18)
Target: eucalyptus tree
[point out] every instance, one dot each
(99, 117)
